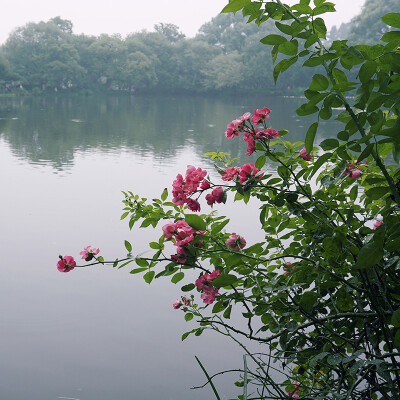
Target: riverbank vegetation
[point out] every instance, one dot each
(225, 56)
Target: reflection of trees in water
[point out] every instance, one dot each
(49, 130)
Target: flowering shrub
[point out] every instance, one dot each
(320, 290)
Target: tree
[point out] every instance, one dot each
(169, 31)
(367, 27)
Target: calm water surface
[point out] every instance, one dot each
(98, 333)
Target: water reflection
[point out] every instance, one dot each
(91, 334)
(51, 130)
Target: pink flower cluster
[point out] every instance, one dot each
(183, 234)
(295, 393)
(216, 196)
(353, 170)
(182, 188)
(244, 173)
(236, 242)
(250, 133)
(66, 264)
(204, 284)
(304, 155)
(185, 301)
(287, 268)
(88, 253)
(377, 224)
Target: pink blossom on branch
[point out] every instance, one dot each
(377, 224)
(236, 242)
(353, 170)
(216, 196)
(204, 284)
(247, 171)
(260, 115)
(230, 173)
(304, 155)
(267, 134)
(66, 264)
(88, 253)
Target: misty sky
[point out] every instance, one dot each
(93, 17)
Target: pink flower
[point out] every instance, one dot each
(209, 291)
(208, 296)
(247, 171)
(230, 173)
(267, 134)
(236, 242)
(355, 174)
(353, 170)
(251, 144)
(193, 205)
(66, 264)
(304, 155)
(260, 115)
(287, 268)
(177, 304)
(295, 393)
(169, 229)
(182, 188)
(205, 185)
(88, 253)
(377, 224)
(187, 301)
(216, 196)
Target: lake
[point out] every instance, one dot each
(100, 333)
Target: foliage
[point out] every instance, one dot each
(319, 292)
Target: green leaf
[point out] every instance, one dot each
(218, 307)
(334, 359)
(148, 276)
(217, 227)
(392, 19)
(260, 162)
(273, 39)
(138, 270)
(366, 152)
(319, 26)
(235, 5)
(124, 215)
(319, 82)
(282, 66)
(324, 8)
(320, 161)
(309, 42)
(224, 280)
(310, 136)
(227, 312)
(395, 320)
(284, 28)
(289, 48)
(303, 8)
(354, 193)
(164, 194)
(369, 255)
(188, 316)
(128, 246)
(177, 277)
(313, 62)
(329, 144)
(306, 109)
(367, 70)
(377, 192)
(392, 36)
(308, 300)
(155, 245)
(195, 222)
(188, 288)
(141, 262)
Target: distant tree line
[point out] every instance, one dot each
(225, 56)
